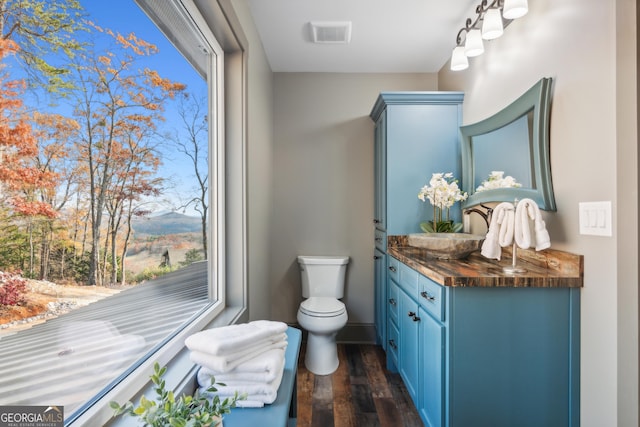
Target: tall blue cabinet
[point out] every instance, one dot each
(416, 135)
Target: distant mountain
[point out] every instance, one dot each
(168, 223)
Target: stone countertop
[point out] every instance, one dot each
(545, 269)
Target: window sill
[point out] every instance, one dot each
(180, 377)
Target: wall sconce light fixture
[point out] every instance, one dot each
(490, 22)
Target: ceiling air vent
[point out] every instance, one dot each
(331, 32)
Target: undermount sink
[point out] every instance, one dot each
(446, 245)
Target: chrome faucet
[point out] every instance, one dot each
(485, 215)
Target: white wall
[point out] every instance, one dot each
(323, 180)
(259, 152)
(593, 156)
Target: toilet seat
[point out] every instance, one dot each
(322, 307)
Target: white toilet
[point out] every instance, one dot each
(321, 314)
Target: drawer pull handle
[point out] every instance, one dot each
(413, 316)
(392, 268)
(393, 344)
(376, 257)
(428, 297)
(392, 301)
(376, 221)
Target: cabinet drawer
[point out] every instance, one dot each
(380, 238)
(392, 342)
(393, 269)
(392, 301)
(431, 297)
(408, 280)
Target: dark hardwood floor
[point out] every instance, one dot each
(361, 393)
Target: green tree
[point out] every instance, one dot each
(42, 29)
(192, 255)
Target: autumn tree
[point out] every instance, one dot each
(19, 176)
(55, 134)
(135, 180)
(192, 141)
(21, 181)
(114, 96)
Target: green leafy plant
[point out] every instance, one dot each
(184, 411)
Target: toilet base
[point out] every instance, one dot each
(322, 353)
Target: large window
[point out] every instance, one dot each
(104, 351)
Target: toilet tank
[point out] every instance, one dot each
(323, 276)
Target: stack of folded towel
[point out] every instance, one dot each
(247, 358)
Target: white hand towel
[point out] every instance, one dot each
(228, 362)
(506, 219)
(263, 368)
(256, 392)
(500, 232)
(255, 402)
(249, 402)
(233, 338)
(522, 232)
(526, 212)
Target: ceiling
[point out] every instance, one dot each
(388, 36)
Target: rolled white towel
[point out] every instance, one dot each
(500, 232)
(263, 368)
(234, 338)
(226, 363)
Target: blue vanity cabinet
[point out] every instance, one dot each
(416, 134)
(488, 356)
(420, 354)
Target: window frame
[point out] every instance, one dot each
(216, 21)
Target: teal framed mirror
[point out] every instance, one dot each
(514, 141)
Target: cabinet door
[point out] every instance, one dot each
(431, 370)
(380, 173)
(408, 352)
(380, 289)
(421, 140)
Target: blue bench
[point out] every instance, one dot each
(282, 412)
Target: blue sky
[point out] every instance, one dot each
(124, 16)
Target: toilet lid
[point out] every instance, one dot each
(322, 307)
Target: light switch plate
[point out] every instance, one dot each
(595, 218)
